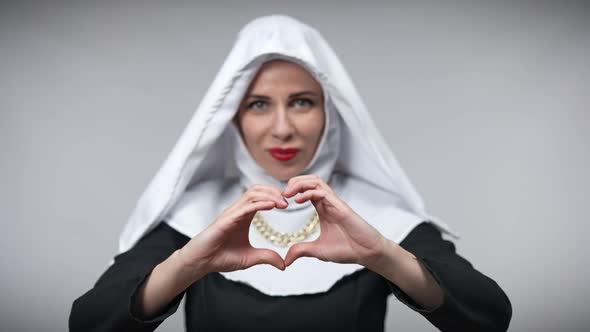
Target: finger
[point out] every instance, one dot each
(303, 177)
(301, 249)
(306, 181)
(264, 256)
(266, 188)
(257, 206)
(301, 186)
(256, 196)
(313, 195)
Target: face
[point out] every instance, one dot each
(281, 118)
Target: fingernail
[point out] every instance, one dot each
(285, 200)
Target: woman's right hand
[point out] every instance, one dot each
(224, 245)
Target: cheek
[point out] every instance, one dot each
(316, 127)
(252, 131)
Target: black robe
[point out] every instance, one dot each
(472, 301)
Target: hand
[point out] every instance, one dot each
(345, 237)
(224, 246)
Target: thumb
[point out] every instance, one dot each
(301, 249)
(265, 256)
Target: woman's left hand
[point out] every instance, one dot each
(345, 237)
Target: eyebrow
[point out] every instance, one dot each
(302, 93)
(298, 94)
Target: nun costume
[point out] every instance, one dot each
(210, 167)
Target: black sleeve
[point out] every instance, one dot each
(472, 301)
(108, 305)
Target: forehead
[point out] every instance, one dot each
(280, 74)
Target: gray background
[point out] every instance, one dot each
(484, 103)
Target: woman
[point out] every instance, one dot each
(281, 208)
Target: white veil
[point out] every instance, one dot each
(193, 185)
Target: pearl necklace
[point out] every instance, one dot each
(285, 239)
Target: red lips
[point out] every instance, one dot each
(283, 154)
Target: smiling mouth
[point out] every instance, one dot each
(284, 154)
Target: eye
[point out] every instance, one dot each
(258, 104)
(303, 102)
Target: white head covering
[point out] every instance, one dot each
(195, 182)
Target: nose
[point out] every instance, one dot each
(282, 127)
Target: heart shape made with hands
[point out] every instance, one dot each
(345, 236)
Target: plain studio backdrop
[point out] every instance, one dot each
(485, 104)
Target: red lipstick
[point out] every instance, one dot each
(283, 154)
